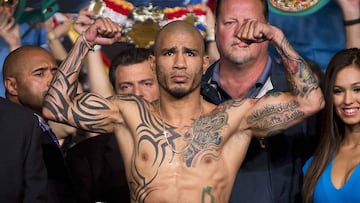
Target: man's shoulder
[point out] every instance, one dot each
(15, 112)
(278, 75)
(276, 64)
(17, 123)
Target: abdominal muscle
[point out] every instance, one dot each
(172, 181)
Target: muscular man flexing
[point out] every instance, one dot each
(181, 148)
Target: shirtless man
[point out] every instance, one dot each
(181, 148)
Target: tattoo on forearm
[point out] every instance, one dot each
(73, 64)
(308, 79)
(301, 79)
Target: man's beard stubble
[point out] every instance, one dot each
(180, 92)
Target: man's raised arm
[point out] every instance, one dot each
(278, 111)
(86, 111)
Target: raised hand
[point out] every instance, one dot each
(351, 15)
(9, 29)
(253, 31)
(84, 20)
(103, 31)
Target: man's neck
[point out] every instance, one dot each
(179, 112)
(237, 79)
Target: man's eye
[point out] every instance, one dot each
(147, 83)
(169, 53)
(40, 74)
(123, 87)
(229, 22)
(189, 53)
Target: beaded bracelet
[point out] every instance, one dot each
(91, 48)
(351, 22)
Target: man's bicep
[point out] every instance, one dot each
(86, 111)
(273, 113)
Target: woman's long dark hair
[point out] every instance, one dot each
(332, 127)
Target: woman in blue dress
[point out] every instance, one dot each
(333, 173)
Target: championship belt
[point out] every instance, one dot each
(141, 24)
(145, 25)
(296, 7)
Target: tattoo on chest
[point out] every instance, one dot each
(207, 196)
(207, 138)
(203, 139)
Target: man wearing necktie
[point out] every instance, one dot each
(27, 72)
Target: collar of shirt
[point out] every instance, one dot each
(45, 127)
(255, 89)
(43, 124)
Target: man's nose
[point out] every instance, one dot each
(180, 62)
(138, 91)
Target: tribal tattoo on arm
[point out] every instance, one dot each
(85, 111)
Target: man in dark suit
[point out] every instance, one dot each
(22, 170)
(27, 73)
(97, 170)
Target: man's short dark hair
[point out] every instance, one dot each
(263, 2)
(127, 57)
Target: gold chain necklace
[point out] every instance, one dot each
(165, 133)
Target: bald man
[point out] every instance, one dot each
(180, 148)
(27, 74)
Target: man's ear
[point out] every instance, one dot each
(11, 86)
(151, 60)
(206, 63)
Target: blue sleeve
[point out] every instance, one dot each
(33, 36)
